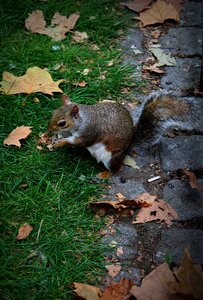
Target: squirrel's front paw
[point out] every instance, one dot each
(59, 144)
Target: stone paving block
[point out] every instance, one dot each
(129, 188)
(187, 202)
(184, 76)
(184, 41)
(175, 240)
(133, 40)
(191, 14)
(182, 152)
(124, 235)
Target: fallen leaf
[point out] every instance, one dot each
(142, 200)
(192, 179)
(104, 174)
(34, 80)
(137, 5)
(155, 69)
(158, 210)
(120, 196)
(164, 59)
(35, 22)
(24, 231)
(86, 291)
(81, 83)
(60, 25)
(86, 71)
(129, 161)
(94, 47)
(110, 63)
(18, 134)
(155, 33)
(119, 251)
(118, 290)
(137, 52)
(154, 285)
(190, 279)
(178, 4)
(79, 37)
(113, 270)
(158, 13)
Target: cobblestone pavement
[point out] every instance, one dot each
(147, 245)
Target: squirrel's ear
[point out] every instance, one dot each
(65, 99)
(74, 111)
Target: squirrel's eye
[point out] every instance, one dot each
(61, 123)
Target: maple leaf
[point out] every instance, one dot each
(190, 278)
(35, 22)
(34, 80)
(158, 13)
(118, 290)
(164, 59)
(137, 5)
(17, 134)
(86, 291)
(24, 231)
(154, 285)
(158, 210)
(60, 25)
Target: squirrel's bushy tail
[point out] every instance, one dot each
(160, 112)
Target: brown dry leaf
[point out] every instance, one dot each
(82, 83)
(137, 5)
(192, 179)
(155, 69)
(35, 22)
(178, 4)
(159, 210)
(79, 37)
(18, 134)
(118, 290)
(104, 174)
(60, 25)
(86, 291)
(142, 200)
(155, 33)
(34, 80)
(113, 270)
(24, 231)
(120, 196)
(190, 279)
(158, 13)
(154, 285)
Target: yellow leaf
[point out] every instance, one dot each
(34, 80)
(17, 134)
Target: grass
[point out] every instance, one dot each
(51, 190)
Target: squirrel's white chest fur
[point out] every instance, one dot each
(99, 152)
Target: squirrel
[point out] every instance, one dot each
(106, 129)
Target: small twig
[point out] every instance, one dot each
(39, 230)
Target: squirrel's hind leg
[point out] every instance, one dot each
(116, 161)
